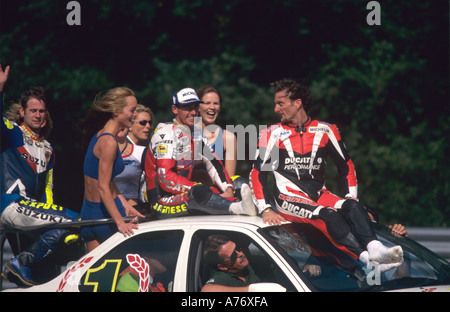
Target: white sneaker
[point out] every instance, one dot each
(245, 206)
(382, 254)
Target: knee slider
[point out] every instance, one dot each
(351, 204)
(238, 181)
(200, 193)
(337, 227)
(329, 215)
(71, 238)
(352, 207)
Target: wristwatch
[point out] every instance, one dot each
(266, 210)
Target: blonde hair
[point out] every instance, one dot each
(113, 100)
(105, 104)
(144, 109)
(13, 114)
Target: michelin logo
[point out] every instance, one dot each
(188, 93)
(319, 129)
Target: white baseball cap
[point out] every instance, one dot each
(185, 96)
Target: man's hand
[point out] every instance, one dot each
(272, 218)
(312, 269)
(3, 76)
(398, 230)
(229, 192)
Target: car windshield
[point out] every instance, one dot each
(329, 267)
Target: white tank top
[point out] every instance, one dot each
(129, 182)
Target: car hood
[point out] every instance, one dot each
(439, 288)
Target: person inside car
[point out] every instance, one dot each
(233, 273)
(232, 269)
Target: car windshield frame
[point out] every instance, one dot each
(303, 245)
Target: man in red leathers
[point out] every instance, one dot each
(296, 150)
(175, 150)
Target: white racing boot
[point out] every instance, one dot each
(383, 267)
(245, 206)
(382, 254)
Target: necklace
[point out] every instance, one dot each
(126, 145)
(33, 135)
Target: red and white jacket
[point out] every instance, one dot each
(172, 157)
(297, 157)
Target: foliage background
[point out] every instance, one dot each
(386, 87)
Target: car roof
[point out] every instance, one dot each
(243, 220)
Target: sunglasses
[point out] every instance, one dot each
(144, 122)
(234, 255)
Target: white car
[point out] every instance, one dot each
(166, 255)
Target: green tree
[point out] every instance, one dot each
(399, 156)
(386, 86)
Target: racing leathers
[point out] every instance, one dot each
(297, 155)
(175, 152)
(26, 181)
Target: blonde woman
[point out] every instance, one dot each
(140, 131)
(114, 110)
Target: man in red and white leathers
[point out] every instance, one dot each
(302, 152)
(296, 151)
(175, 150)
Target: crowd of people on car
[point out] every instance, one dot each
(134, 169)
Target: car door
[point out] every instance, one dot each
(143, 263)
(264, 261)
